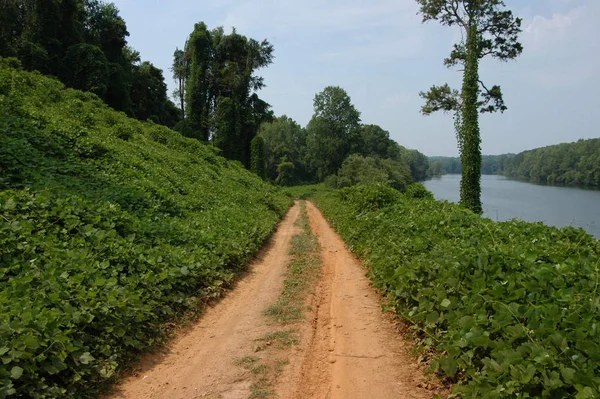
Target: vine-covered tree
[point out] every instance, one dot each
(285, 151)
(221, 103)
(82, 42)
(487, 30)
(257, 162)
(181, 72)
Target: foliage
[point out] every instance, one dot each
(570, 164)
(181, 73)
(486, 31)
(505, 310)
(109, 228)
(417, 162)
(295, 155)
(418, 190)
(469, 141)
(199, 49)
(332, 133)
(357, 169)
(84, 43)
(285, 151)
(149, 96)
(222, 105)
(257, 162)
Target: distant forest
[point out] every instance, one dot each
(571, 164)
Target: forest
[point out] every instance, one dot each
(84, 44)
(569, 164)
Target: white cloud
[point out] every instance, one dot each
(562, 50)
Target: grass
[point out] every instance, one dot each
(281, 339)
(302, 271)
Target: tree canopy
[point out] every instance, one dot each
(84, 43)
(220, 88)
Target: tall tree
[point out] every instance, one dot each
(105, 29)
(333, 131)
(257, 162)
(199, 85)
(149, 95)
(181, 72)
(285, 146)
(221, 101)
(487, 30)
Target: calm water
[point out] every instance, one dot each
(505, 199)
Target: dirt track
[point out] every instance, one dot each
(347, 346)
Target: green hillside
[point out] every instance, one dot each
(109, 227)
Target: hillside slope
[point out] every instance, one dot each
(109, 227)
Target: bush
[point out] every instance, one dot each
(357, 169)
(418, 190)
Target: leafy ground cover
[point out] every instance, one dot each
(507, 310)
(109, 227)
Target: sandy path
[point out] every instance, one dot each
(354, 352)
(347, 349)
(200, 363)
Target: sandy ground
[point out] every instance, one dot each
(348, 348)
(354, 352)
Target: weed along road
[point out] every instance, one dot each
(303, 323)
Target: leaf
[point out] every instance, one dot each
(16, 372)
(86, 358)
(585, 393)
(445, 303)
(568, 374)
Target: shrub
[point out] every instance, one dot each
(418, 190)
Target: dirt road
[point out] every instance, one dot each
(346, 348)
(354, 352)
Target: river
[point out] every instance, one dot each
(505, 199)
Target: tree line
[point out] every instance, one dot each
(84, 44)
(336, 148)
(571, 164)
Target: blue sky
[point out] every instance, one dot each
(382, 55)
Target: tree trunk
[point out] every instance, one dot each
(470, 184)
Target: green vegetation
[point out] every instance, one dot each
(257, 159)
(571, 164)
(84, 43)
(506, 310)
(335, 146)
(109, 228)
(357, 169)
(486, 31)
(220, 100)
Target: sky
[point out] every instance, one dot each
(383, 56)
